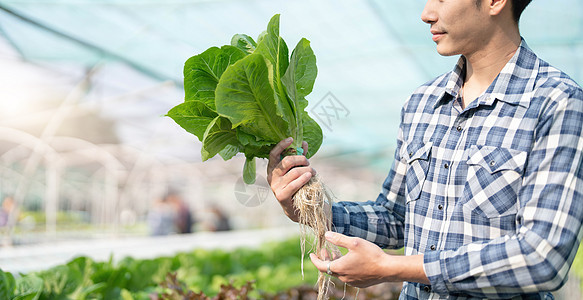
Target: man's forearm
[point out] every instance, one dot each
(405, 268)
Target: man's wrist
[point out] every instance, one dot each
(404, 268)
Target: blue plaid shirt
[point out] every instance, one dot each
(491, 194)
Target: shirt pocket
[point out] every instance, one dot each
(418, 156)
(493, 179)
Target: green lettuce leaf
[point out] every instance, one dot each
(299, 81)
(7, 285)
(301, 74)
(275, 51)
(273, 47)
(218, 135)
(229, 151)
(202, 72)
(312, 134)
(193, 116)
(28, 288)
(249, 170)
(244, 42)
(246, 98)
(258, 151)
(248, 139)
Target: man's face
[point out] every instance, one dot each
(457, 26)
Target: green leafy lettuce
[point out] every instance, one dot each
(248, 96)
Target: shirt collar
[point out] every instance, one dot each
(512, 85)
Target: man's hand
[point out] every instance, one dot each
(286, 176)
(366, 264)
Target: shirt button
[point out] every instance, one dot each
(427, 289)
(492, 163)
(440, 207)
(432, 247)
(446, 165)
(459, 128)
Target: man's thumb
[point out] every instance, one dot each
(341, 240)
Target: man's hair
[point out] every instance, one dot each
(518, 7)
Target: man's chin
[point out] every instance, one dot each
(444, 51)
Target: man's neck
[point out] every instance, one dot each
(483, 66)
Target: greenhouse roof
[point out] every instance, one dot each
(371, 55)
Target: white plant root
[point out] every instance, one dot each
(313, 202)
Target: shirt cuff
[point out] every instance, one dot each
(340, 219)
(433, 271)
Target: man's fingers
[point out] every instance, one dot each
(297, 172)
(341, 240)
(275, 153)
(297, 183)
(275, 156)
(324, 254)
(305, 147)
(321, 265)
(336, 254)
(289, 162)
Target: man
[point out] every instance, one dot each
(485, 192)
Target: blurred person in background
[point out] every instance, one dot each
(183, 219)
(486, 189)
(219, 220)
(9, 209)
(162, 217)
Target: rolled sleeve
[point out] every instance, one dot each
(340, 219)
(432, 265)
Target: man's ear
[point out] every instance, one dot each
(497, 6)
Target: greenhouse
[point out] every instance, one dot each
(106, 196)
